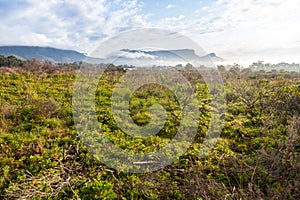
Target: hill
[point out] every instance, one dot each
(124, 56)
(42, 53)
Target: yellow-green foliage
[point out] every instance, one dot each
(257, 156)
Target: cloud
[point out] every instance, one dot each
(235, 29)
(174, 19)
(133, 55)
(238, 29)
(69, 24)
(172, 23)
(254, 26)
(169, 6)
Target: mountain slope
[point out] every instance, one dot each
(124, 56)
(167, 57)
(42, 53)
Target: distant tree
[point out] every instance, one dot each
(247, 72)
(274, 71)
(235, 70)
(189, 66)
(221, 68)
(13, 61)
(179, 66)
(3, 61)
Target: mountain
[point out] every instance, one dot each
(42, 53)
(122, 57)
(161, 57)
(171, 55)
(212, 57)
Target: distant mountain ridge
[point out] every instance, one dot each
(161, 57)
(42, 53)
(178, 54)
(124, 56)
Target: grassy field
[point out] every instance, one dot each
(256, 157)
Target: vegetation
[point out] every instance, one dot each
(256, 157)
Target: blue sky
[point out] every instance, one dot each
(240, 31)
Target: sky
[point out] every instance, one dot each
(240, 31)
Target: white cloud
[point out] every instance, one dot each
(174, 19)
(237, 30)
(255, 27)
(136, 55)
(244, 30)
(169, 6)
(70, 24)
